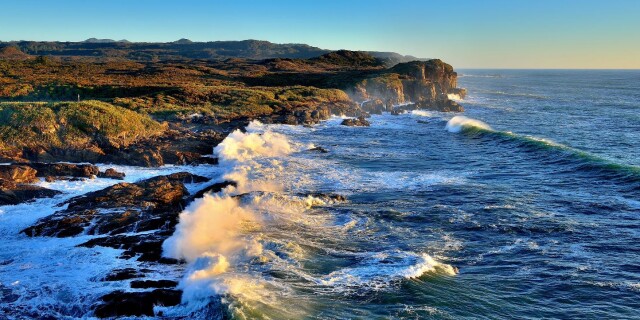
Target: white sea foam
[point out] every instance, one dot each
(233, 239)
(52, 277)
(379, 270)
(421, 113)
(454, 97)
(458, 123)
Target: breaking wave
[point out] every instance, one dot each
(576, 160)
(460, 123)
(248, 243)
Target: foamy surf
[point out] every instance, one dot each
(421, 113)
(237, 240)
(52, 277)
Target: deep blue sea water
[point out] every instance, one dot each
(525, 206)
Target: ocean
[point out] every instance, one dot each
(527, 205)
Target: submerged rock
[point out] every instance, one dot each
(319, 149)
(123, 274)
(356, 122)
(328, 197)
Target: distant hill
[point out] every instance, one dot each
(350, 58)
(393, 58)
(186, 49)
(12, 53)
(183, 41)
(94, 40)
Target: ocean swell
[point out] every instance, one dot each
(574, 159)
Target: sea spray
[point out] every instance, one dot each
(237, 240)
(221, 235)
(454, 97)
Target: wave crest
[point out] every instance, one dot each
(460, 123)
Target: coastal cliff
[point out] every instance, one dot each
(409, 86)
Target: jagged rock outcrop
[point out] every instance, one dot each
(410, 85)
(124, 207)
(112, 174)
(355, 122)
(135, 217)
(18, 173)
(64, 170)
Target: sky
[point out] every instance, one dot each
(570, 34)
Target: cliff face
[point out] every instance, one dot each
(410, 85)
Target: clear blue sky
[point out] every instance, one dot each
(487, 33)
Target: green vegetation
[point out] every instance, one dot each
(124, 95)
(72, 125)
(231, 102)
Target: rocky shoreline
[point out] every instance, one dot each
(138, 217)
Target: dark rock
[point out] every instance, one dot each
(319, 149)
(123, 274)
(146, 246)
(146, 284)
(186, 177)
(205, 160)
(445, 105)
(356, 122)
(54, 179)
(374, 106)
(328, 197)
(120, 303)
(460, 92)
(65, 170)
(18, 173)
(216, 187)
(178, 146)
(12, 193)
(125, 207)
(112, 174)
(395, 112)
